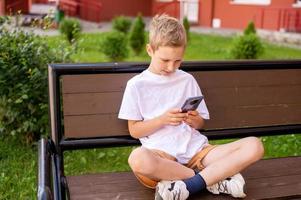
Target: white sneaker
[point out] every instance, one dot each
(170, 190)
(233, 186)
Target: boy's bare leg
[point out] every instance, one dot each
(221, 162)
(145, 162)
(229, 159)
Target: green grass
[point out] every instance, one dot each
(18, 161)
(18, 169)
(90, 49)
(115, 159)
(201, 47)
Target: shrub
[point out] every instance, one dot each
(2, 20)
(71, 29)
(114, 46)
(23, 77)
(122, 24)
(137, 35)
(247, 47)
(187, 27)
(250, 29)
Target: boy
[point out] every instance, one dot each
(174, 157)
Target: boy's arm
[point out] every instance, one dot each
(140, 129)
(145, 128)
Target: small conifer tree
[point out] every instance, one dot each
(137, 35)
(187, 27)
(247, 46)
(250, 28)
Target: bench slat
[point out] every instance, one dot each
(109, 102)
(95, 83)
(91, 82)
(91, 126)
(266, 179)
(109, 125)
(247, 78)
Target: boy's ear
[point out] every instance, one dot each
(149, 50)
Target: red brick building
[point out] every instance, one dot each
(266, 14)
(12, 6)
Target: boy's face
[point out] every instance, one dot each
(165, 60)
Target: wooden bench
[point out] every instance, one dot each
(244, 98)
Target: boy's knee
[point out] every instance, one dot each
(255, 148)
(141, 162)
(134, 159)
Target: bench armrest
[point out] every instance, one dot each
(44, 188)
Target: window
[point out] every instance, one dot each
(252, 2)
(165, 0)
(297, 4)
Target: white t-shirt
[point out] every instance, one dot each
(149, 95)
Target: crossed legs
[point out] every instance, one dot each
(221, 162)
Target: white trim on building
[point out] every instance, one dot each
(251, 2)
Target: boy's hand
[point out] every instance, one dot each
(173, 117)
(194, 120)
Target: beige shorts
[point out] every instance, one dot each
(194, 163)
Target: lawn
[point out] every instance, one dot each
(201, 47)
(18, 161)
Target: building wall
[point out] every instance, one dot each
(238, 15)
(171, 8)
(278, 15)
(90, 10)
(13, 6)
(105, 10)
(2, 8)
(206, 12)
(111, 8)
(40, 1)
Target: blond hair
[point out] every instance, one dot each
(166, 31)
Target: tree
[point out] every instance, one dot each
(187, 27)
(137, 35)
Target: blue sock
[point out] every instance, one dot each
(195, 184)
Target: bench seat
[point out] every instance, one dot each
(278, 178)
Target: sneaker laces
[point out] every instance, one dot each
(223, 187)
(171, 190)
(233, 186)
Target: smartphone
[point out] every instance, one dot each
(191, 103)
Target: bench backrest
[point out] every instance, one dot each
(86, 98)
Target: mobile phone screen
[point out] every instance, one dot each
(192, 103)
